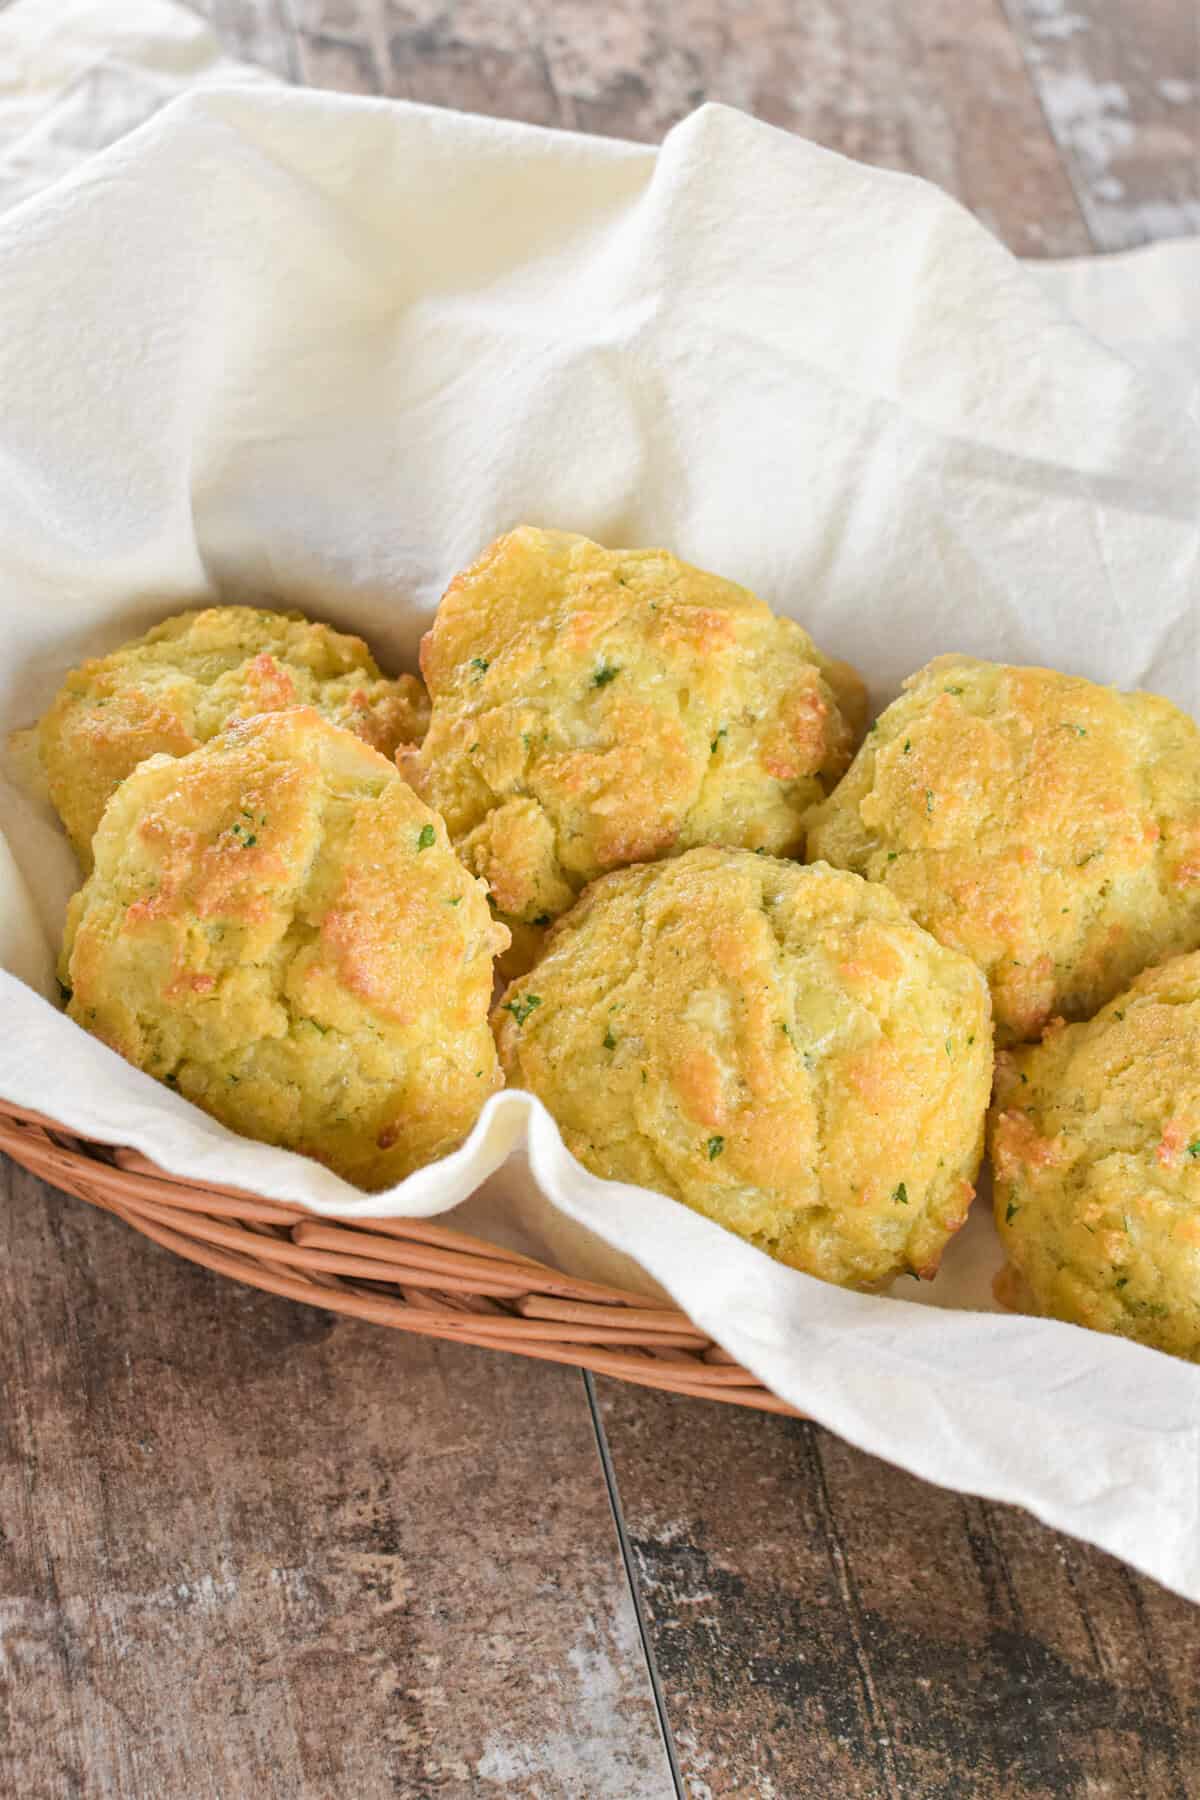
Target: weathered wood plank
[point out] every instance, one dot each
(249, 1548)
(934, 86)
(1120, 86)
(824, 1625)
(233, 1562)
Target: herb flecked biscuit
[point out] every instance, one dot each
(779, 1047)
(1095, 1137)
(1048, 827)
(593, 708)
(277, 927)
(177, 686)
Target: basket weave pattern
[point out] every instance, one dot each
(408, 1273)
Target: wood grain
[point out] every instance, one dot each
(827, 1626)
(248, 1549)
(1119, 81)
(934, 86)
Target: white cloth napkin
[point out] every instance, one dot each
(299, 346)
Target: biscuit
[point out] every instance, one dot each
(594, 708)
(1047, 827)
(177, 686)
(278, 928)
(1095, 1138)
(779, 1047)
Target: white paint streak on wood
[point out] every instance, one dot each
(1051, 19)
(1120, 88)
(580, 1760)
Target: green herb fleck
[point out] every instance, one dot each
(907, 745)
(1118, 1015)
(425, 837)
(610, 1042)
(522, 1006)
(455, 900)
(480, 664)
(892, 855)
(1010, 1213)
(720, 734)
(541, 919)
(249, 843)
(235, 1079)
(525, 740)
(605, 673)
(1079, 730)
(954, 690)
(472, 750)
(949, 1047)
(715, 1146)
(1121, 1281)
(1024, 1077)
(1193, 1148)
(928, 800)
(900, 1193)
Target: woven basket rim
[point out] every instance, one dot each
(409, 1274)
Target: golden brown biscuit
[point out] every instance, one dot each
(1095, 1136)
(1048, 827)
(593, 708)
(177, 686)
(278, 928)
(779, 1047)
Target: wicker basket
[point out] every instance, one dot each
(407, 1273)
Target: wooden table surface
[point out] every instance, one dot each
(247, 1549)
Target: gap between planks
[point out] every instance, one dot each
(633, 1583)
